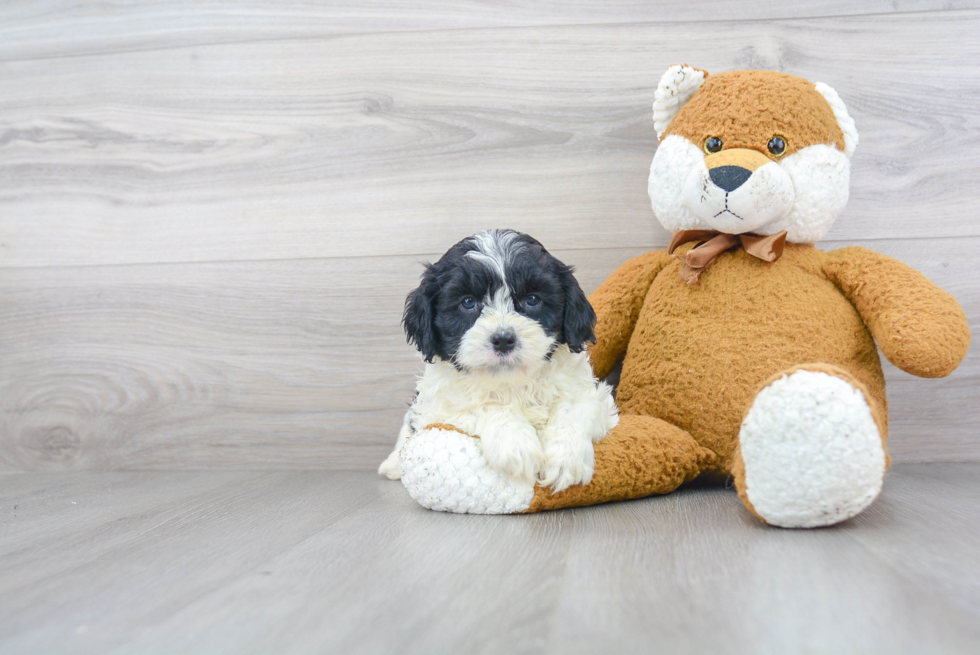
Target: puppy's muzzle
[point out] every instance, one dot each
(504, 341)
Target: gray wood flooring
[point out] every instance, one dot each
(326, 562)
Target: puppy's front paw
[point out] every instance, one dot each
(515, 450)
(568, 460)
(390, 467)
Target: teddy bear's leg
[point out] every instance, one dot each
(811, 449)
(640, 457)
(444, 469)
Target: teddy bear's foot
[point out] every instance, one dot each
(811, 451)
(444, 469)
(641, 456)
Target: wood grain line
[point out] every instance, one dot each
(56, 28)
(329, 147)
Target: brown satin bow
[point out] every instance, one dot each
(698, 258)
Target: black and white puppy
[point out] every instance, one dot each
(503, 326)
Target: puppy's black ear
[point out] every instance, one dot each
(420, 315)
(579, 323)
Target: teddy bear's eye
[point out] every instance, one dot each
(712, 144)
(777, 146)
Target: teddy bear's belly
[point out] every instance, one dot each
(699, 353)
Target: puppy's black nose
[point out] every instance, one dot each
(729, 178)
(504, 341)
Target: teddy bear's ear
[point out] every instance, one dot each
(676, 87)
(844, 119)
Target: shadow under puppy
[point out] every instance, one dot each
(503, 326)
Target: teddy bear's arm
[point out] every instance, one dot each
(617, 304)
(919, 327)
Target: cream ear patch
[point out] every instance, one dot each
(844, 119)
(676, 87)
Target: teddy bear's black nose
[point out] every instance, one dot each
(729, 178)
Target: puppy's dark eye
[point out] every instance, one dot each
(712, 144)
(777, 146)
(468, 304)
(532, 301)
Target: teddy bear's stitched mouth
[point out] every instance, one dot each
(726, 210)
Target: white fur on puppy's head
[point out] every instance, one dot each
(801, 190)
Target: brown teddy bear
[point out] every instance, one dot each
(745, 351)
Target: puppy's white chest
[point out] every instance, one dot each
(530, 402)
(470, 402)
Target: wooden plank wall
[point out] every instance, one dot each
(210, 212)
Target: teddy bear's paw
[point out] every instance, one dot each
(445, 470)
(812, 451)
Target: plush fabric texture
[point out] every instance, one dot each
(919, 327)
(801, 190)
(820, 176)
(747, 320)
(821, 440)
(784, 105)
(743, 322)
(844, 119)
(673, 162)
(443, 469)
(641, 456)
(620, 299)
(676, 87)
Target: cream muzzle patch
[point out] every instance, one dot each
(738, 190)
